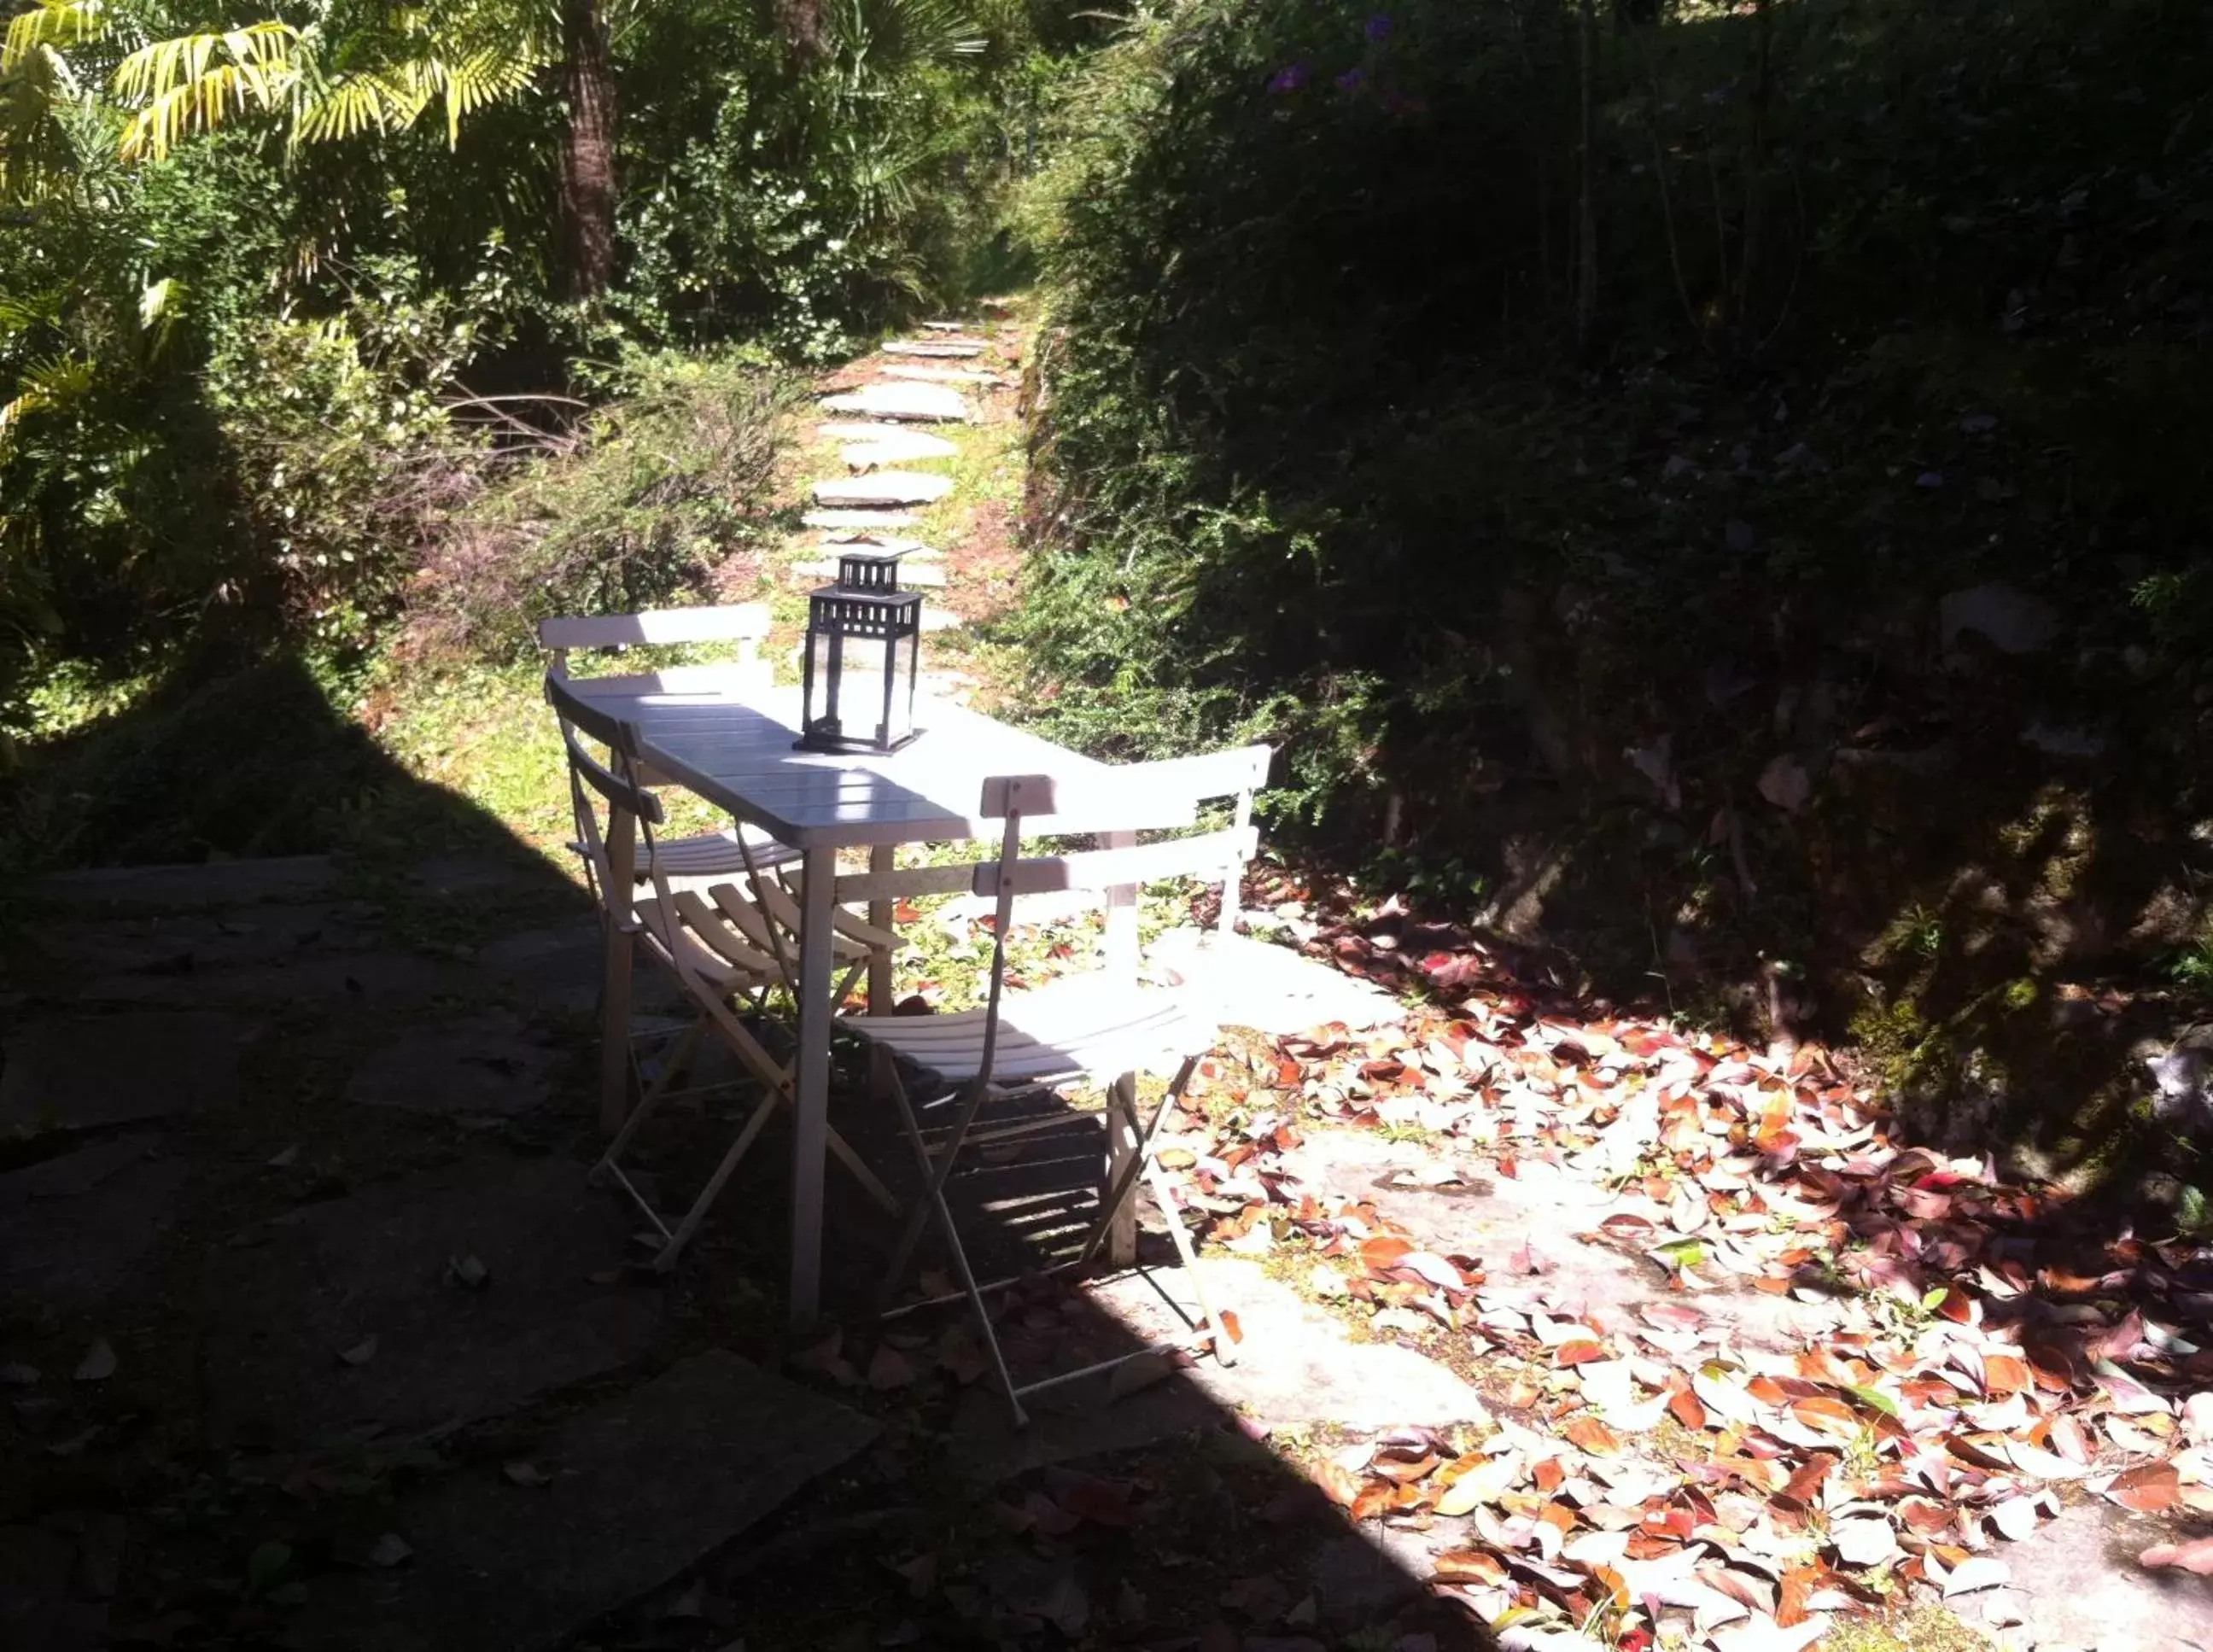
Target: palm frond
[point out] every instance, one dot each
(50, 24)
(43, 385)
(193, 83)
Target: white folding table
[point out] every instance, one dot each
(706, 729)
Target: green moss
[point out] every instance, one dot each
(1924, 1629)
(1894, 1040)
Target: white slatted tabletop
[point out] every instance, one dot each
(737, 750)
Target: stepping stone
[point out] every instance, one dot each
(76, 1231)
(486, 1066)
(923, 404)
(945, 326)
(897, 448)
(211, 883)
(89, 1072)
(834, 543)
(853, 430)
(1271, 989)
(865, 519)
(939, 619)
(2078, 1586)
(925, 575)
(891, 487)
(642, 1486)
(293, 1304)
(948, 349)
(943, 376)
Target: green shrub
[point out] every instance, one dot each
(658, 487)
(344, 462)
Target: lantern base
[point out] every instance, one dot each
(820, 740)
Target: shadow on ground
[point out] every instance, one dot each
(314, 1336)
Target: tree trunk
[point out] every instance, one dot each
(1586, 205)
(588, 154)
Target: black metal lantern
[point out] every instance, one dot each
(864, 614)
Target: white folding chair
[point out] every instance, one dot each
(726, 945)
(1102, 1028)
(746, 625)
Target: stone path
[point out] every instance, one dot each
(890, 484)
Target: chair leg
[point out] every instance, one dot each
(1224, 1353)
(651, 1099)
(667, 1258)
(936, 1176)
(1122, 1142)
(935, 1172)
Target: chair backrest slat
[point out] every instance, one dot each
(1204, 856)
(625, 794)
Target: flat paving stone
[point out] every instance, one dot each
(902, 403)
(848, 540)
(949, 348)
(2078, 1589)
(208, 883)
(895, 446)
(893, 488)
(181, 943)
(382, 977)
(920, 574)
(1271, 989)
(287, 1299)
(871, 520)
(483, 1066)
(92, 1071)
(1296, 1363)
(642, 1487)
(1536, 1214)
(76, 1231)
(942, 374)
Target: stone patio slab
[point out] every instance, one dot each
(182, 942)
(382, 977)
(287, 1299)
(482, 1066)
(1540, 1210)
(76, 1231)
(642, 1487)
(2078, 1589)
(210, 883)
(92, 1071)
(1271, 989)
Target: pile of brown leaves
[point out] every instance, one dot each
(1646, 1473)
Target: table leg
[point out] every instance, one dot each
(884, 914)
(811, 1097)
(618, 945)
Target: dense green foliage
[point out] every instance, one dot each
(1371, 429)
(260, 324)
